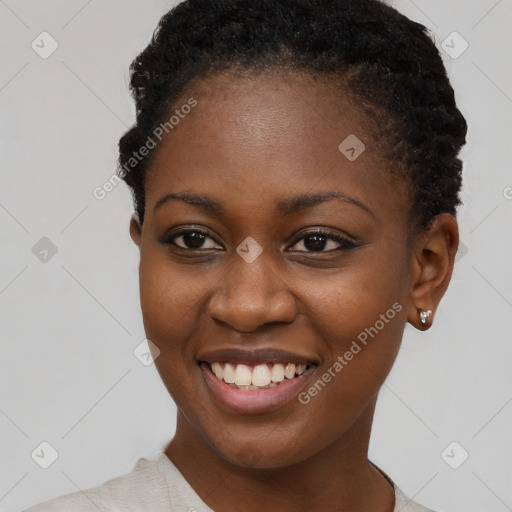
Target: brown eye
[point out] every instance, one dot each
(193, 239)
(318, 241)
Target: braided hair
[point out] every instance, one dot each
(389, 64)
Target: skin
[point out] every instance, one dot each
(249, 143)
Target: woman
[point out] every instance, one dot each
(295, 179)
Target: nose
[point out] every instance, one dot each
(251, 295)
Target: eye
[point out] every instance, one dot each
(317, 241)
(313, 241)
(191, 239)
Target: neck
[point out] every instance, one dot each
(339, 477)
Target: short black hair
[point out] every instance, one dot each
(389, 63)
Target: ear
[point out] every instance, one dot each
(135, 230)
(432, 265)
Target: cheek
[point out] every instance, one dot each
(360, 316)
(346, 304)
(170, 302)
(171, 309)
(170, 293)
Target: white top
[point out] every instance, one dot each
(158, 486)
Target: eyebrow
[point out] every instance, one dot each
(287, 206)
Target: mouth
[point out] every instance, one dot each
(261, 376)
(255, 382)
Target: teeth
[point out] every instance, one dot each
(289, 371)
(229, 373)
(260, 376)
(252, 388)
(301, 368)
(217, 369)
(243, 375)
(277, 373)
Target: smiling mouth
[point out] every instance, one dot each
(257, 377)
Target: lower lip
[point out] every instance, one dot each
(254, 401)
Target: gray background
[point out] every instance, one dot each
(69, 324)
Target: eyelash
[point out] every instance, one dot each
(345, 243)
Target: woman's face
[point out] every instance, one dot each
(237, 273)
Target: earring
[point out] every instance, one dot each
(425, 317)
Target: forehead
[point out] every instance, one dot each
(269, 135)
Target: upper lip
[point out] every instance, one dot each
(256, 356)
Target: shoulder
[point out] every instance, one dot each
(143, 487)
(404, 504)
